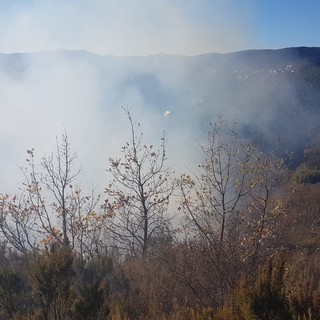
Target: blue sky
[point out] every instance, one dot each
(143, 27)
(280, 23)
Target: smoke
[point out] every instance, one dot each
(46, 93)
(126, 27)
(42, 94)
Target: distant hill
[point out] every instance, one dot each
(276, 90)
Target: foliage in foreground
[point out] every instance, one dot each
(246, 245)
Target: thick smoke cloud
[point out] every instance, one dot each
(43, 93)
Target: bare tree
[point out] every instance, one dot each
(209, 197)
(58, 177)
(52, 206)
(138, 194)
(233, 209)
(264, 224)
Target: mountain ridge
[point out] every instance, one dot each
(299, 52)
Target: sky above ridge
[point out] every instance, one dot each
(143, 27)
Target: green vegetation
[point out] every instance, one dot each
(245, 247)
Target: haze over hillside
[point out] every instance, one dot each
(41, 93)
